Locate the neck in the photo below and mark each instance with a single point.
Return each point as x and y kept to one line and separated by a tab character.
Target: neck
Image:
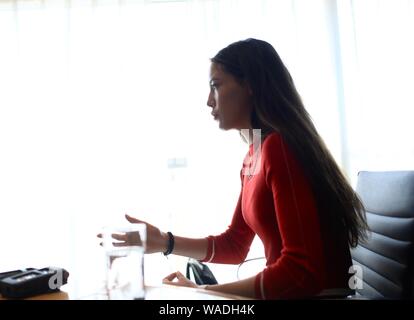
247	134
253	137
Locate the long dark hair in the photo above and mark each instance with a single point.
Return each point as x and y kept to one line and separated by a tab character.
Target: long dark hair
279	108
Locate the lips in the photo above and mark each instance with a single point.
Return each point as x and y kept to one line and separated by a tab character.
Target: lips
215	116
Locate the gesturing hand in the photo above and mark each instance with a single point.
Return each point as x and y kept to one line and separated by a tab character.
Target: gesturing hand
181	280
156	240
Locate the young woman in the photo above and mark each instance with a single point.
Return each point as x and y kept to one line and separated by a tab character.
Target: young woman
293	195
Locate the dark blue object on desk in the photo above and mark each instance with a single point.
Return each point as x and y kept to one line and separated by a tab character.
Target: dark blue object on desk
29	282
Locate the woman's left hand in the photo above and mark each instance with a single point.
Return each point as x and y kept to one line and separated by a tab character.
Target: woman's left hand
181	280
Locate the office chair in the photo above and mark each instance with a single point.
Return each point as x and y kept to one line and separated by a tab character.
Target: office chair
386	258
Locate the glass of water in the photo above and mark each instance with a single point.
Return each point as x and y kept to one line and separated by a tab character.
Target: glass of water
124	250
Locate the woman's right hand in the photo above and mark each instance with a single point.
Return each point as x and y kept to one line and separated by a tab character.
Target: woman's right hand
156	240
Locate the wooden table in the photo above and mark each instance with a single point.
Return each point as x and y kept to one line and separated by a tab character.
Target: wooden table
162	292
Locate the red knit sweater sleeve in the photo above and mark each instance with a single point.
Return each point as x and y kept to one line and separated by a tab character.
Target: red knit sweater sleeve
231	246
298	272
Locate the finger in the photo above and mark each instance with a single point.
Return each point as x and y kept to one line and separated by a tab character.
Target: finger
132	219
183	281
171	283
171	276
120	237
119	244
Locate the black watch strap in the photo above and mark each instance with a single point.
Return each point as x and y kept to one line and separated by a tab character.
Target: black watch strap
170	246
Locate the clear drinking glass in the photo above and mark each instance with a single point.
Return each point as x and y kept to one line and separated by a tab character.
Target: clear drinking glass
124	249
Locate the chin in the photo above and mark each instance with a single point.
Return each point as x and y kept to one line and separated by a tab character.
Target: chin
223	127
226	127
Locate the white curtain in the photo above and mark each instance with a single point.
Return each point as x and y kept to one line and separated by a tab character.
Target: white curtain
97	96
378	81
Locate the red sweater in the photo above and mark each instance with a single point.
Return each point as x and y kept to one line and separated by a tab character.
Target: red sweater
277	204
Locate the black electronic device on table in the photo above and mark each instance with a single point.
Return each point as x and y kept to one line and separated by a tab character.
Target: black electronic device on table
30	281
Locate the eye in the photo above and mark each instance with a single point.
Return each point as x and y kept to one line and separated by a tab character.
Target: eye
213	85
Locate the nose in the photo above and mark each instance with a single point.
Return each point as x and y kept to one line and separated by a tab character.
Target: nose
210	100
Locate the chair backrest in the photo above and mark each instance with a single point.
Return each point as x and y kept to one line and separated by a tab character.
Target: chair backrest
386	259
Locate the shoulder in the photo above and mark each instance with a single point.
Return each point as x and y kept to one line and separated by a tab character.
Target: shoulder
275	151
272	139
272	145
